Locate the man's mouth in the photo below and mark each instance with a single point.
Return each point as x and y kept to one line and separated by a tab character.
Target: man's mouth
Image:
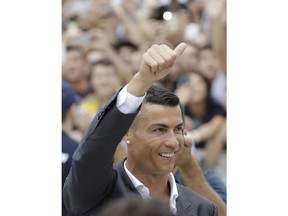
167	155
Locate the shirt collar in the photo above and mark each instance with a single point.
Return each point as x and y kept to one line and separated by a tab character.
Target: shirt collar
145	193
173	193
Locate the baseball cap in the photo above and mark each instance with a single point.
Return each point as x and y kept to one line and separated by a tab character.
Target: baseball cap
69	96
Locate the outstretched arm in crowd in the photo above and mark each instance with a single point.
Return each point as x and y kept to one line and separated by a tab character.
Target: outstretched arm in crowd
138	28
194	178
216	10
100	41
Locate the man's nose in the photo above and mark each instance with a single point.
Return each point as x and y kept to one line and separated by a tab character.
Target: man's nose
172	140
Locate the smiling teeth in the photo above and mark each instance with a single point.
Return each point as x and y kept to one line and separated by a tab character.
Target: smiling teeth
167	155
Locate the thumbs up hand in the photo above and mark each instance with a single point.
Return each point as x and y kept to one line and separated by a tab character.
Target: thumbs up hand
155	65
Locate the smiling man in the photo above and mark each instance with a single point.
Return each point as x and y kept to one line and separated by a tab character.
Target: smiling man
149	119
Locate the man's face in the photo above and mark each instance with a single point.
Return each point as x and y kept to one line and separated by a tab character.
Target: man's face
208	64
155	138
73	67
189	57
104	80
198	89
131	57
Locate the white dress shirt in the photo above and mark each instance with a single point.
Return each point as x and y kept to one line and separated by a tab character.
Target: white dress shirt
133	102
145	193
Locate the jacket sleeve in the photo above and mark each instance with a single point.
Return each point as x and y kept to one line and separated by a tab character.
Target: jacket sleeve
92	176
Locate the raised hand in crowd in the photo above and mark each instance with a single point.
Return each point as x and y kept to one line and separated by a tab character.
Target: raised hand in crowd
194	177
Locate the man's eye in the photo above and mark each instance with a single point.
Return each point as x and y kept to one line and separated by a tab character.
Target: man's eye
160	130
179	130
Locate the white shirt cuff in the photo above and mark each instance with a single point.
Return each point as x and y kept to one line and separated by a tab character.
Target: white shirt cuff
128	103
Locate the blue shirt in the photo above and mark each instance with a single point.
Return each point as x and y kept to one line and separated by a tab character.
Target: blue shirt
214	181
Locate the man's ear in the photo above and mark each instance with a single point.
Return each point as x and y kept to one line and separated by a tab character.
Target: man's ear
127	136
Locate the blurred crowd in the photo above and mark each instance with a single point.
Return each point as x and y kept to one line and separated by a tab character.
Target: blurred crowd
103	42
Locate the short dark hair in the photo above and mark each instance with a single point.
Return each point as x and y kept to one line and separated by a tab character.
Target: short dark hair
207	47
74	47
125	42
159	95
106	62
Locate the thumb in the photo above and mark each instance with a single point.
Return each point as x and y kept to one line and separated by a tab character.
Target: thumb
180	49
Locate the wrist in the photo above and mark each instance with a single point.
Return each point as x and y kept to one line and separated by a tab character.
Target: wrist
185	164
138	86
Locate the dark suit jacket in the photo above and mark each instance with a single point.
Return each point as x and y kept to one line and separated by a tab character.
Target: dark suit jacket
93	181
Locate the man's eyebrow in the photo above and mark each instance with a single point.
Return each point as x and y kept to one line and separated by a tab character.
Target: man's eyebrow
159	125
166	126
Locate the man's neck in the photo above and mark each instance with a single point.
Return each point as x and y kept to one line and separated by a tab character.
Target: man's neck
81	85
158	184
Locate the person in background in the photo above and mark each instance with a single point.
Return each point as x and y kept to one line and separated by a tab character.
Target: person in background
208	65
69	145
171	80
101	45
133	24
74	70
105	82
129	52
209	119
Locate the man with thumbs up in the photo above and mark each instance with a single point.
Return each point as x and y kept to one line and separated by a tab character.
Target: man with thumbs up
149	119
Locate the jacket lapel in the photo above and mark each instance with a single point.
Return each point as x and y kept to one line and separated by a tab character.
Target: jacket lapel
184	206
125	182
